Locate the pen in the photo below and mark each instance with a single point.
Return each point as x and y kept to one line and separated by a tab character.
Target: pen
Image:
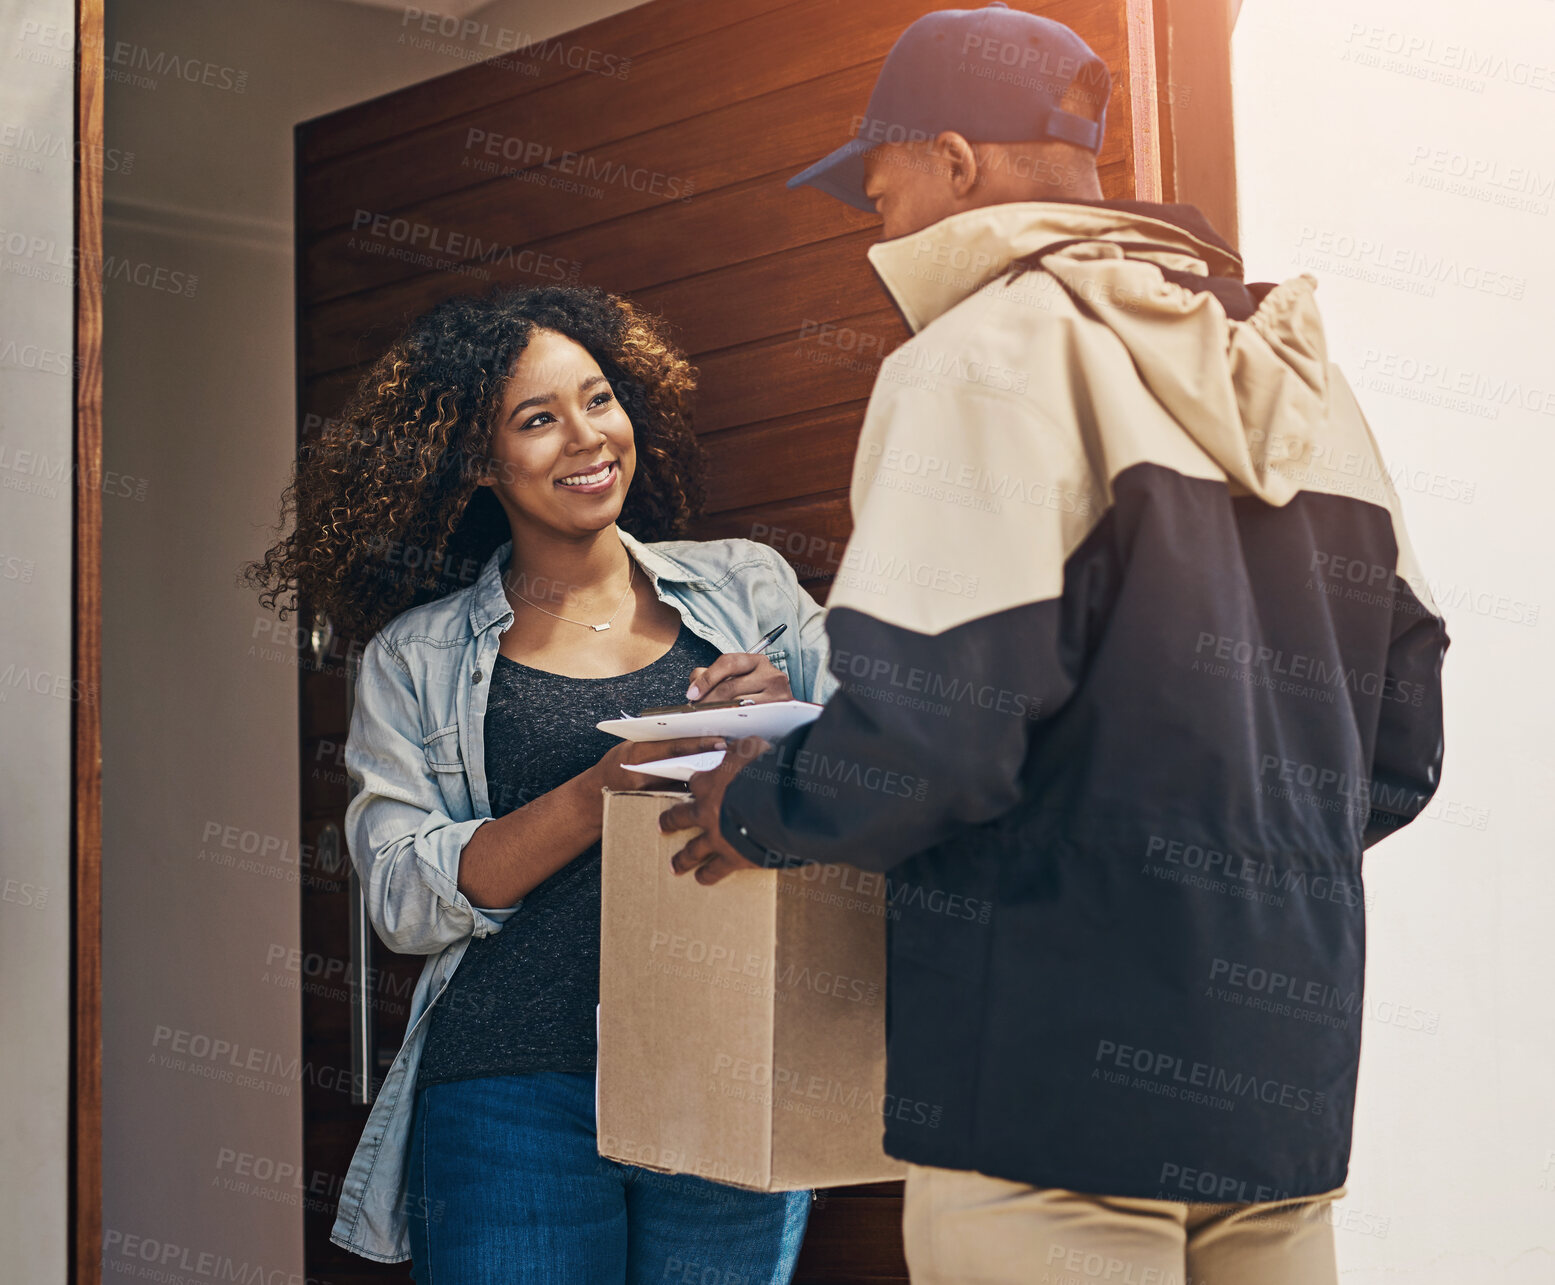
771	636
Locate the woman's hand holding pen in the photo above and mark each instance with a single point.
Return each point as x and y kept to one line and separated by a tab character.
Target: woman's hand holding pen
739	673
742	673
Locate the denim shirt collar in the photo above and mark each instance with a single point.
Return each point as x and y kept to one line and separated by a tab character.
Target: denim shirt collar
489	604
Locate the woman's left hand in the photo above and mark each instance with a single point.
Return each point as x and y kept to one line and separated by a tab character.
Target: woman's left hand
739	673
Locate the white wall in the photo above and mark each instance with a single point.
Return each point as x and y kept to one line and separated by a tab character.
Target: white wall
1357	125
200	727
37	327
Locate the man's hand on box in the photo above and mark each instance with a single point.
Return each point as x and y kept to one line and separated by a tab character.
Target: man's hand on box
709	854
739	673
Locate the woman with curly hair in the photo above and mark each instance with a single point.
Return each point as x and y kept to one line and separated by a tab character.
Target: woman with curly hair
495	508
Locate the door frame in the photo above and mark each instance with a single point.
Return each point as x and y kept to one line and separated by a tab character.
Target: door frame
84	1218
1194	107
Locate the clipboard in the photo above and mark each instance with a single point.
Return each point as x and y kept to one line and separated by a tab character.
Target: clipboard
767	719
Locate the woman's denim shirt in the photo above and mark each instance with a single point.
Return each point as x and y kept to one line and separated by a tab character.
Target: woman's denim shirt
416	756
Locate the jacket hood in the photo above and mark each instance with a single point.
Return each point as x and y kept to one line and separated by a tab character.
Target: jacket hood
1250	393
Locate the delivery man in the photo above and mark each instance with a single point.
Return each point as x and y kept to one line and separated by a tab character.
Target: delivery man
1136	661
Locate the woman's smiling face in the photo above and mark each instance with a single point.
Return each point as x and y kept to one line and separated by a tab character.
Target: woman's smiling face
562	452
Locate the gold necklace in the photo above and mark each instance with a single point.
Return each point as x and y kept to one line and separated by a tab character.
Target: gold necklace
630	572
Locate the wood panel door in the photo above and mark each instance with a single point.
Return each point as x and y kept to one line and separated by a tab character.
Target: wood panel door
645	153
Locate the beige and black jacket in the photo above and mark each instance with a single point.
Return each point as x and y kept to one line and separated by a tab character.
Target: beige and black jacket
1135	662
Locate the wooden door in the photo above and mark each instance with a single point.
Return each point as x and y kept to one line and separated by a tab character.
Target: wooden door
645	153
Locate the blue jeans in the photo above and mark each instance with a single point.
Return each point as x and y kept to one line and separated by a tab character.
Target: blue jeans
507	1185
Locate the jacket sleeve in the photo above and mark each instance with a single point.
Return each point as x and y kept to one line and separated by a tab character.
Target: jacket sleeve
1407	762
951	630
404	846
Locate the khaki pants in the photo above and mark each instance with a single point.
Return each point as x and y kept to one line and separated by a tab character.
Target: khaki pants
964	1228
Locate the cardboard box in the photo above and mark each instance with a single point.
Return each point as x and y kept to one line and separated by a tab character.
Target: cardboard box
741	1026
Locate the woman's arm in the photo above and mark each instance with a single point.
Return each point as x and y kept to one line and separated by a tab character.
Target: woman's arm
432	881
404	845
506	858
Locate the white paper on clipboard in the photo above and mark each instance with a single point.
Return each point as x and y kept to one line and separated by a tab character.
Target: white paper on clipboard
678	769
769	720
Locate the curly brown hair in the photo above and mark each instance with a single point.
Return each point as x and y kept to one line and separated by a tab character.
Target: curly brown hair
383	508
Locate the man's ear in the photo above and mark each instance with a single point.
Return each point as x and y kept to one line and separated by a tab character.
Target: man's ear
960	159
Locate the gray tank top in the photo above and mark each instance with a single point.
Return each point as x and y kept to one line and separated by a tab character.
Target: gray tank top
523	998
